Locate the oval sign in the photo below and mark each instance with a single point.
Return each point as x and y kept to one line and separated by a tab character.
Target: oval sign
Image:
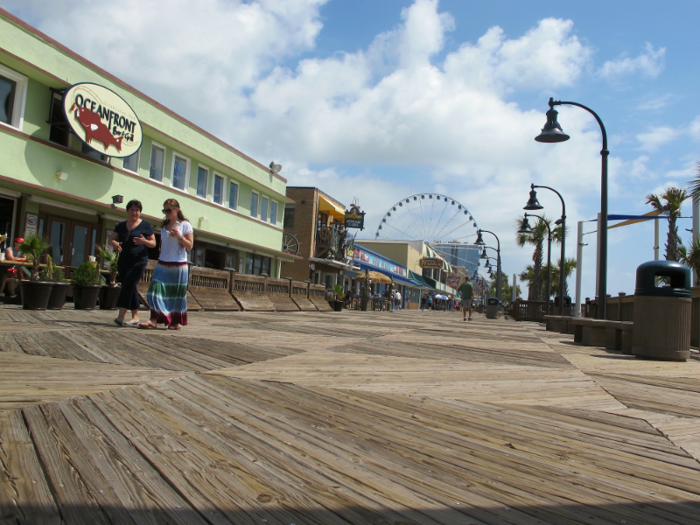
102	119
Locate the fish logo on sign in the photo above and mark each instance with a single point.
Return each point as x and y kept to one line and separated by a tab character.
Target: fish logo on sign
102	119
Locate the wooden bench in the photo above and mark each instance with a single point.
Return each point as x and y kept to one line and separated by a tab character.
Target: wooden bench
278	291
210	288
317	295
559	323
300	296
249	291
619	336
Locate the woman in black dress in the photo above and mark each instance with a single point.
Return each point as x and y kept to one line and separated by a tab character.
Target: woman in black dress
131	239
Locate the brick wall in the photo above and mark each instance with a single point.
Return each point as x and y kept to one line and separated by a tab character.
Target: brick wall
305	209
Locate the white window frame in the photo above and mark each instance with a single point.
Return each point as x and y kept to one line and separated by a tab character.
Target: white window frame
206	186
238	194
277	208
188	163
223	189
267	212
138	162
162	170
20	96
257	194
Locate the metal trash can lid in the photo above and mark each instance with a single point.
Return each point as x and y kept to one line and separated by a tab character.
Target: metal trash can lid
676	279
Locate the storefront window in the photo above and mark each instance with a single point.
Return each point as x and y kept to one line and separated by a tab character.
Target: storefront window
7	99
59	132
218	189
57	236
233	196
273	213
179	172
157	158
202	177
131	162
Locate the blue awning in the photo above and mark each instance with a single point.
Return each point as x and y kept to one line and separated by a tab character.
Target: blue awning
396	278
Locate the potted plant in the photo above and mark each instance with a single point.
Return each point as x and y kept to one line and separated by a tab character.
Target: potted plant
110	292
60	285
338	294
37	290
86	286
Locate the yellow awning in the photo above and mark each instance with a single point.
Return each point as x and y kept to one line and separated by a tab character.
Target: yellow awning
331	208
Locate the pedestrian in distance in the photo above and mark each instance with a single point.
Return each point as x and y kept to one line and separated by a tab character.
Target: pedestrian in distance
466	290
131	239
167	294
423	302
12	254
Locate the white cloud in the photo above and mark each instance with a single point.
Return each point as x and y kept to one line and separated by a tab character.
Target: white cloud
653	139
694	128
649	63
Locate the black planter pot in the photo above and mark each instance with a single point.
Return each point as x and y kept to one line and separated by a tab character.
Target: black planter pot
108	297
85	297
58	296
35	294
337	306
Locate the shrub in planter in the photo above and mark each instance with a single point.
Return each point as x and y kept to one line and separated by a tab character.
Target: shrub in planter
337	302
109	293
86	286
37	291
60	285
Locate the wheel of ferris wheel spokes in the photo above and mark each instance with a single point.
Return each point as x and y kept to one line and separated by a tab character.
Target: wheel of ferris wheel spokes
429	217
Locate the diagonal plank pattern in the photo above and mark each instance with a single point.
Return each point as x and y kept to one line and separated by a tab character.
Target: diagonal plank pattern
376	417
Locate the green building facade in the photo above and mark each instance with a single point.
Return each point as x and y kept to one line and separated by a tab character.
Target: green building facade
53	183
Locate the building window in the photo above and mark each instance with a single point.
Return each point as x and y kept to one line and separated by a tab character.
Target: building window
86	149
218	196
288	217
180	172
59	132
257	264
233	195
13	91
157	162
264	205
273	213
254	204
131	162
202	180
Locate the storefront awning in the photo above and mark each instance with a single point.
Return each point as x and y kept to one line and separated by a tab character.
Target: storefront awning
432	254
327	206
396	278
419	280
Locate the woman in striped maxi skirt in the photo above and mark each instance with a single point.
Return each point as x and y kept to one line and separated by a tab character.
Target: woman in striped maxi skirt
167	293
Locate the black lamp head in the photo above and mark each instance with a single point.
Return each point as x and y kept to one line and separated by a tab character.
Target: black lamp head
483	254
525	226
479	240
533	203
552	132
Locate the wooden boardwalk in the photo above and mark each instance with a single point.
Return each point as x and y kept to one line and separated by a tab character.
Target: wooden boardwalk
338	418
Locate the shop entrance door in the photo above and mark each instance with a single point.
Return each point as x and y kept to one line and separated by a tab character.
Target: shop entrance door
71	241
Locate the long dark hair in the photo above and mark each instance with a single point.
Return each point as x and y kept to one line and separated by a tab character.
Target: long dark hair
173	204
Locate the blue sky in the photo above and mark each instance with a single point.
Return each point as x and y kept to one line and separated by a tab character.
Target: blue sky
379	100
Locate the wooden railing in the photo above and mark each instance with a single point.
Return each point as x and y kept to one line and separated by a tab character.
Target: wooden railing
529	310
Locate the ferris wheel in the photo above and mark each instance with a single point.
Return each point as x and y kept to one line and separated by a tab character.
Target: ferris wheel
429	217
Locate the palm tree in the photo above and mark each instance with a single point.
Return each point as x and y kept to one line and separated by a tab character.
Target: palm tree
569	268
691	257
536	239
670	202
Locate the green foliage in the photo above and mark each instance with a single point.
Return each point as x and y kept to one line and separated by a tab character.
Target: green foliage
338	291
86	274
111	258
670	202
33	247
691	256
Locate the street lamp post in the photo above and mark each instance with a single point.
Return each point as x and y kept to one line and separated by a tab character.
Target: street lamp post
480	242
533	204
551	133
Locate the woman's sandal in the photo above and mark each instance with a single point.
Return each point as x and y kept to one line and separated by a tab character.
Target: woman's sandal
147	326
174	327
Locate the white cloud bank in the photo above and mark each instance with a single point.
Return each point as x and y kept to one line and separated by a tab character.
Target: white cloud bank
649	63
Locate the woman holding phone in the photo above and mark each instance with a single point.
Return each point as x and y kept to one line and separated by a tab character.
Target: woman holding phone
131	238
167	294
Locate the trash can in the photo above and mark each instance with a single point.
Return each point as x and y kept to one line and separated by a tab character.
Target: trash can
492	308
662	311
567	305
